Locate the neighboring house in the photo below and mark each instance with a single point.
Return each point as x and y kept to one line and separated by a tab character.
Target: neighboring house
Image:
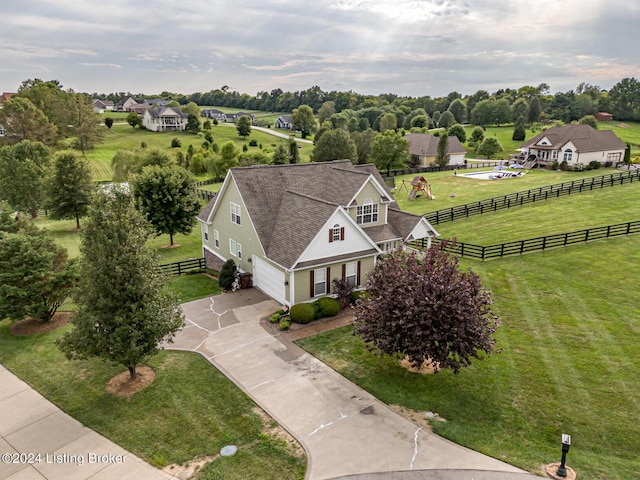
100	106
575	144
214	114
157	102
297	227
140	108
126	104
424	148
284	121
233	117
6	96
604	117
164	119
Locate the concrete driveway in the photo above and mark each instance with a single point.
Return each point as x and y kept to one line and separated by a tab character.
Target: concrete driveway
344	430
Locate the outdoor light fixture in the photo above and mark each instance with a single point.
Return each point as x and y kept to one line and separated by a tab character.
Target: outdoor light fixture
566	443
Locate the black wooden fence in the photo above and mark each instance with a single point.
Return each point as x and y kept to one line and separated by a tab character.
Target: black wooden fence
533	195
186	266
520	247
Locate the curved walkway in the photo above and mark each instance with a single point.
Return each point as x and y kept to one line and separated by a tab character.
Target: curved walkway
55	446
344	429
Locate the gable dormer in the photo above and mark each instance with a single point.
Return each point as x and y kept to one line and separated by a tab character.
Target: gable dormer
544	142
368	207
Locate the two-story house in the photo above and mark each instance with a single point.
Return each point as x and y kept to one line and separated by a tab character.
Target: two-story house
164	119
297	227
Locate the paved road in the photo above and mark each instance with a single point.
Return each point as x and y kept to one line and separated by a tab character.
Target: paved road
344	430
30	424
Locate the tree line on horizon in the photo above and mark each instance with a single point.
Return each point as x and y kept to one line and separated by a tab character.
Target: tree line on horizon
622	100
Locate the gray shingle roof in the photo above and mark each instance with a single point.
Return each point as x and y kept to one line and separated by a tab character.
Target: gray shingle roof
584	137
423	144
288	204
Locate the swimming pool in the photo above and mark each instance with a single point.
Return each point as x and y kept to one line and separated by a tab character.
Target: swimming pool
491	175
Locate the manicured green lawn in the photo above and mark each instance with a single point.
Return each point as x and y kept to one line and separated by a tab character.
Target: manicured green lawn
194	286
124	137
189	246
451	190
596	208
569	337
190	409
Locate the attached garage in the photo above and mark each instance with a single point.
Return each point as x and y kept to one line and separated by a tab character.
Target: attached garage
268	279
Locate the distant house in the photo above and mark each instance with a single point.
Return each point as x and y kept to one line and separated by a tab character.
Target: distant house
424	148
214	114
604	117
297	227
164	119
575	144
100	106
284	121
157	102
6	96
233	117
126	104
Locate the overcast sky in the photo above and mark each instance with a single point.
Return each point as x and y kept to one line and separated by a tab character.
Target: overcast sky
407	47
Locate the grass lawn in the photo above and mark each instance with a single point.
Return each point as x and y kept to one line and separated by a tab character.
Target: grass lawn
194	286
124	137
468	190
596	208
569	334
191	409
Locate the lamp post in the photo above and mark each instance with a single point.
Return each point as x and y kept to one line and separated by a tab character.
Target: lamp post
566	443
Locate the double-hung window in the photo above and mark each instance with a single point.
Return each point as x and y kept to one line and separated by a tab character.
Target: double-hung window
235	213
216	238
320	281
351	273
568	155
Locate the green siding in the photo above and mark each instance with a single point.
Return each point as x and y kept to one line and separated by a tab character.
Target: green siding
244	233
370	191
302	278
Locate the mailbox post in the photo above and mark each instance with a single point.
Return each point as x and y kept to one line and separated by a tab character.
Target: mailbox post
566	443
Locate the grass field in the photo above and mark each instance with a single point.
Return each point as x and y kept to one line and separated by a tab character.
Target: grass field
124	137
451	190
569	334
190	410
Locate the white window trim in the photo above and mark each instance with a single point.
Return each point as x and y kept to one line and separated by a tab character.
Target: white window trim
335	233
354	275
371	213
236	213
319	273
568	155
233	247
216	239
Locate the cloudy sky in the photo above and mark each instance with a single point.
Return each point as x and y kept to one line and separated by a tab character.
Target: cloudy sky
408	47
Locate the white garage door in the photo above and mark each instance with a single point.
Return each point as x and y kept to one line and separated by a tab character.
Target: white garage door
268	279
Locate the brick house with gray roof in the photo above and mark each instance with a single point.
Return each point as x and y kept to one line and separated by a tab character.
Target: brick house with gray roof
297	227
575	144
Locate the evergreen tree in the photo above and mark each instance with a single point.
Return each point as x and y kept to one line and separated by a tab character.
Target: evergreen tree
125	311
442	157
519	132
69	188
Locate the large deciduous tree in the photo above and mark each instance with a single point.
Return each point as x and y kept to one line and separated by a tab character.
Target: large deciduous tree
84	122
389	150
423	307
243	125
167	197
303	120
69	188
334	144
624	97
134	119
22	120
489	147
459	110
22	174
125	311
36	275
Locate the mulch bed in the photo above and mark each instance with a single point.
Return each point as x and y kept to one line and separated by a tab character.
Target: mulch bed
122	386
31	326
